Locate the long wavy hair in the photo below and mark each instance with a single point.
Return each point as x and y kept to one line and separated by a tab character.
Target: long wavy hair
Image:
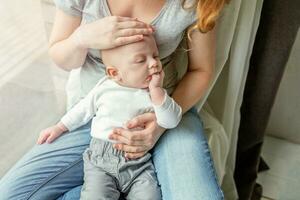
208	12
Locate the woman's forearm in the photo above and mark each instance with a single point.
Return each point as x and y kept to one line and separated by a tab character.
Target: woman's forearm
191	88
67	53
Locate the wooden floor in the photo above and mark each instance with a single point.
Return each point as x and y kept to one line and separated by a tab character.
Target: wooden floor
281	182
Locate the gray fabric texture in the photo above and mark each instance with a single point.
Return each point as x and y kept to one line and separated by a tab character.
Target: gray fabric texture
170	23
107	173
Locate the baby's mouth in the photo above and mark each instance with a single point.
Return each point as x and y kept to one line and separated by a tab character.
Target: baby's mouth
148	79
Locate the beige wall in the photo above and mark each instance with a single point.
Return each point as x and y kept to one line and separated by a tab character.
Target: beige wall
285	116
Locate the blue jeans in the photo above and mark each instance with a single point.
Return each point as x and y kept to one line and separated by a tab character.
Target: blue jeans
55	171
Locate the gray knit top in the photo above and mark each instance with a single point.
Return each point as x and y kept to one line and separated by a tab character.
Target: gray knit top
170	24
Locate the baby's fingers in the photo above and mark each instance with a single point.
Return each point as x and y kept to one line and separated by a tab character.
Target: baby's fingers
162	74
43	137
51	138
156	77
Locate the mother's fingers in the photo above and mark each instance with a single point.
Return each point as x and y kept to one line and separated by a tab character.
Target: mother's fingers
135	155
119	138
127	40
130	148
141	120
123	19
129	30
133	135
133	24
129	137
133	31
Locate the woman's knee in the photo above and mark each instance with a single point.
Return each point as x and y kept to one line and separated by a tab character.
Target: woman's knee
183	162
45	165
187	136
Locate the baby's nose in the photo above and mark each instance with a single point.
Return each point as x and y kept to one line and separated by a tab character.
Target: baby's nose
153	64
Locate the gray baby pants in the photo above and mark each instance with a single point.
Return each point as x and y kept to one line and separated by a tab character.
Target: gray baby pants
107	173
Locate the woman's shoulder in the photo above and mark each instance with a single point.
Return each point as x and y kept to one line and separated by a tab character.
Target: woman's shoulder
72	7
180	12
182	7
89	10
182	4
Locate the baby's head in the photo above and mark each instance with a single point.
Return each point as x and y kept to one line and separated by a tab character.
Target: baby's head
134	64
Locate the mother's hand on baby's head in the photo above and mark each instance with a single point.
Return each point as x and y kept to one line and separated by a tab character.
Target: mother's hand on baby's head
136	143
110	32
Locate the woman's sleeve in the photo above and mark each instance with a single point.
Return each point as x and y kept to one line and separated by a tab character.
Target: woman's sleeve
71	7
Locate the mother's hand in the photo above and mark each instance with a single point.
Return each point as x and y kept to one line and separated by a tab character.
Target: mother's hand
137	142
111	31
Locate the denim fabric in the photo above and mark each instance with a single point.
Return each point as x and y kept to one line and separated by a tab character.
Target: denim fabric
55	171
183	162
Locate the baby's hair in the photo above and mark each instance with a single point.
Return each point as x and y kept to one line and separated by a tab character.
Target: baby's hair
208	12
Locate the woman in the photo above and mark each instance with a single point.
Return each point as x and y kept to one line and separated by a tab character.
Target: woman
181	156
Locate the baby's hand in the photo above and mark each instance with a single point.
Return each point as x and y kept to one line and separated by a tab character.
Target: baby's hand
48	135
157	80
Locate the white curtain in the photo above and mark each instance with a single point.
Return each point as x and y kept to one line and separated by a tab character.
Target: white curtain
41	83
221	105
31	87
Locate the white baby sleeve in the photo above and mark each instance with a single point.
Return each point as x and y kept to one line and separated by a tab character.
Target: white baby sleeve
169	113
81	113
84	110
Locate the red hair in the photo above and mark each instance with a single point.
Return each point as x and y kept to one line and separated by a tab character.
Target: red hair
208	12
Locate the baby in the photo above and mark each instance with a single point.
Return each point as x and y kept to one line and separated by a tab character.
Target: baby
132	86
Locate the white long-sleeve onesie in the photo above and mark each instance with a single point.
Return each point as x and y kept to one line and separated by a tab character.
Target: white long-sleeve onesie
112	105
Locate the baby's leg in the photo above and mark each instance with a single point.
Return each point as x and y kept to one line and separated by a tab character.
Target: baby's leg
98	183
145	187
138	179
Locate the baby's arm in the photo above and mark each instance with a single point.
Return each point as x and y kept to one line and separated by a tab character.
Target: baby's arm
79	115
168	112
51	133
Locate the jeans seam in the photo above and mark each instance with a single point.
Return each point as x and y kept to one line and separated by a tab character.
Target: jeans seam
214	175
52	177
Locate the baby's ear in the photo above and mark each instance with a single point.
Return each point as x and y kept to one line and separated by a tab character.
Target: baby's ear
112	73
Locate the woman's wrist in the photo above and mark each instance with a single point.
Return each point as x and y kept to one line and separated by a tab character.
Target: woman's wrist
78	39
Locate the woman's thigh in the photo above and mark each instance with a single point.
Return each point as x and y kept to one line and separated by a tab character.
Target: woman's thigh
49	170
183	162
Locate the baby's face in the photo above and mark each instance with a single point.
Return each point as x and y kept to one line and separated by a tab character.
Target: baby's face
136	62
